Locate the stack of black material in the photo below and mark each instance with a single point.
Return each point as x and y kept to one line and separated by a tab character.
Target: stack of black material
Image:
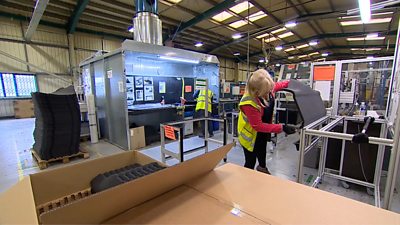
57	125
119	176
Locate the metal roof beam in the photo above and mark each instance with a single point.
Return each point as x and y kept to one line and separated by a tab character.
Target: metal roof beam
40	7
73	21
205	15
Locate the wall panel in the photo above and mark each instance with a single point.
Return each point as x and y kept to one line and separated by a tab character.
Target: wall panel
82	55
49	84
6	108
50	36
55	60
85	41
111	45
14	49
10	29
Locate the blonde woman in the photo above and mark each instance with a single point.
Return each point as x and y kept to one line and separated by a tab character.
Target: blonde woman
255	118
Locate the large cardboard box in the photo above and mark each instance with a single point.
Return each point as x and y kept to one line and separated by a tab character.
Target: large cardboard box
187	193
23	109
137	137
22	203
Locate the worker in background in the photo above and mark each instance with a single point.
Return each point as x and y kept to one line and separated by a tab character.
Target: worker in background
200	95
255	118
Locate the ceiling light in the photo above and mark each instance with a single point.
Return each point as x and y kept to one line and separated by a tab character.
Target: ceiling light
267	40
278	30
222	16
314	53
179	59
285	35
291	57
370	57
373	35
236	36
302	46
374	14
365	39
325	54
372	21
313	43
175	1
131	29
256	16
236	53
277	65
261	60
302	56
241	7
262	35
290	24
365	10
365	49
198	44
278	48
238	24
370	63
290	49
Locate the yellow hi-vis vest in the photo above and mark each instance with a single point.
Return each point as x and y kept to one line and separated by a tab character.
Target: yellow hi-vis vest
201	100
247	135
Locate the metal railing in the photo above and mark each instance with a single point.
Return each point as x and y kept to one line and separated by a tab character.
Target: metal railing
168	154
315	130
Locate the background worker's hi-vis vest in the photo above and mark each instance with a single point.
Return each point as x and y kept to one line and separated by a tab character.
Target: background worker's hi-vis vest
247	135
201	100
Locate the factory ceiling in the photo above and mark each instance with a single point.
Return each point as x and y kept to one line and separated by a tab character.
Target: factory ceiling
285	30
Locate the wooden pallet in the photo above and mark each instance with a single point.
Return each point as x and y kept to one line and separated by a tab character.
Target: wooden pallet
62	201
43	164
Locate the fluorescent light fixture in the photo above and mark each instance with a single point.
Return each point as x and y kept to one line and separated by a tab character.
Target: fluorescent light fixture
302	56
131	29
222	16
302	46
236	36
278	30
174	1
285	35
365	10
241	7
256	16
267	40
314	53
290	49
291	57
325	54
313	43
198	44
277	65
193	61
278	48
262	35
238	24
370	57
372	21
261	60
365	39
290	24
365	49
236	53
358	16
373	35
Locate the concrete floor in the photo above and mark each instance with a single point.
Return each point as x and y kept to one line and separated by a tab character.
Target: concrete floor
16	161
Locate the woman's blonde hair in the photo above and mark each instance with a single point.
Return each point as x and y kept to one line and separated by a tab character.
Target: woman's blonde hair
259	84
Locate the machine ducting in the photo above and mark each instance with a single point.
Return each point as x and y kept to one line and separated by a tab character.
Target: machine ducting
147	25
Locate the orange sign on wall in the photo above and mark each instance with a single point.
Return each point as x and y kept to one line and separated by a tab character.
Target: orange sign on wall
324	72
169	132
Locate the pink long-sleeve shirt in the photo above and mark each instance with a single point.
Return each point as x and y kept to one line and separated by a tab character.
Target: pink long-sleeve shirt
255	116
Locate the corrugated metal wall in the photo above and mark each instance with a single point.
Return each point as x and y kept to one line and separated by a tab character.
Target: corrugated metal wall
49	51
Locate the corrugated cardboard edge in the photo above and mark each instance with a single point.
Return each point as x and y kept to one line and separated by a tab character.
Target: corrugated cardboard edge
56	183
104	205
17	205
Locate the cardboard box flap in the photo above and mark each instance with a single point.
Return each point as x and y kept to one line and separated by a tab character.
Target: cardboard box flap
17	205
281	201
104	205
184	205
60	182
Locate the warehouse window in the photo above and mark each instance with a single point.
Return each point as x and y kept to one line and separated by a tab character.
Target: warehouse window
17	85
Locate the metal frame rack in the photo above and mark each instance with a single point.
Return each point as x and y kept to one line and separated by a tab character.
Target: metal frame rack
313	133
168	154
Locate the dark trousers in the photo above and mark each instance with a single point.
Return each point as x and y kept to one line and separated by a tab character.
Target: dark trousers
259	152
200	114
